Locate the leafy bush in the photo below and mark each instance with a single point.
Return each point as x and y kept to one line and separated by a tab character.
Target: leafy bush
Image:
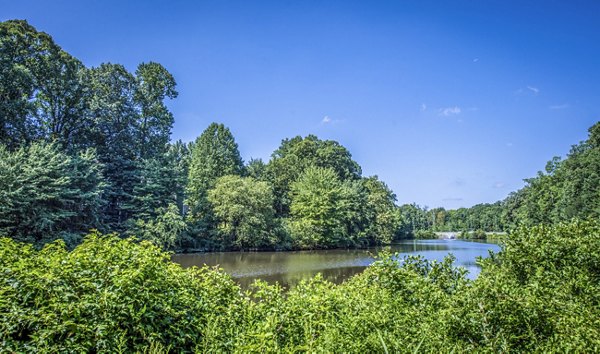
109	295
425	234
540	293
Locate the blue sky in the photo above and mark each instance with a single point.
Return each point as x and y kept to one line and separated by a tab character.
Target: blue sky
451	103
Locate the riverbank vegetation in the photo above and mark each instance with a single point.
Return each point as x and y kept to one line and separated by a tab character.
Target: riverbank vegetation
568	188
89	148
540	293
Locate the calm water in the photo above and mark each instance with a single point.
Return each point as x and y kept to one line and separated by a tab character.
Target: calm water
288	268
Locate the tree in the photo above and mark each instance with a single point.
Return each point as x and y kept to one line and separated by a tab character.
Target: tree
325	211
153	84
567	189
164	230
256	169
383	217
243	209
46	194
295	155
130	128
114	118
215	154
162	181
42	88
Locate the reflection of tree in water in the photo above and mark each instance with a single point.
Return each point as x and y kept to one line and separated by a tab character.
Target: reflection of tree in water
288	268
289	280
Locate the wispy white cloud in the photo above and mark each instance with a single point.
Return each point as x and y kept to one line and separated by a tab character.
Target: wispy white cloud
326	120
527	90
498	185
509	144
450	111
559	106
423	107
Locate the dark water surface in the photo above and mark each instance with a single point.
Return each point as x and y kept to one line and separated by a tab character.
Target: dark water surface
288	268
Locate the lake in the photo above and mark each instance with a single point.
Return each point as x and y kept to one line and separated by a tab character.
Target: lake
288	268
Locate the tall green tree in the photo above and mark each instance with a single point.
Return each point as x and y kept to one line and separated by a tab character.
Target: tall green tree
153	85
130	128
295	155
383	218
42	88
243	209
325	211
215	154
162	182
113	134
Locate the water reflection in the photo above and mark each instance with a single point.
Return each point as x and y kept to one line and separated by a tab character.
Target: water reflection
288	268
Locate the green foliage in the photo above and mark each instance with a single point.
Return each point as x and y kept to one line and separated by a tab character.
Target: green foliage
325	211
130	128
413	218
243	210
162	182
110	295
164	230
425	234
478	235
384	220
256	169
42	88
215	154
568	189
295	155
541	293
46	194
154	84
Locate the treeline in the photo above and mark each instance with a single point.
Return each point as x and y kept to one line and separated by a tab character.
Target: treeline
540	294
89	148
567	189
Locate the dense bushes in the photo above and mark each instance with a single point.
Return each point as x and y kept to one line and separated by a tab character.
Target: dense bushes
108	295
541	293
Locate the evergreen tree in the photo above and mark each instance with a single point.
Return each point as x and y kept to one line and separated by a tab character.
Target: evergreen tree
214	154
46	194
162	182
113	134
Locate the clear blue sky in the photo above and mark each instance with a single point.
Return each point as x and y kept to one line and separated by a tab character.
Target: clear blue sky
452	103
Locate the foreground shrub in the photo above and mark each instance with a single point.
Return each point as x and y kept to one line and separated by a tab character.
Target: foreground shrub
109	295
540	294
